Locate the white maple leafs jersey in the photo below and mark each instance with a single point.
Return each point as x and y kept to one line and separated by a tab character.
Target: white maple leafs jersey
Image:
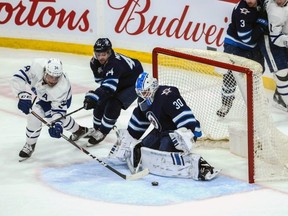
32	76
278	23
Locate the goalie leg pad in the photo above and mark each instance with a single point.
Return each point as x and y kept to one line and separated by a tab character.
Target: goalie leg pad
175	164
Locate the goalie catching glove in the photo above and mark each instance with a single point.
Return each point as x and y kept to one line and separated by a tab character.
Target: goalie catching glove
182	139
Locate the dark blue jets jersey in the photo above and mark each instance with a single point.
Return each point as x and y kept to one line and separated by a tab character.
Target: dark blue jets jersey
120	72
168	112
244	31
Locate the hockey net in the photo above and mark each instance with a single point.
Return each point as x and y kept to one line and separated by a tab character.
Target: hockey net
198	74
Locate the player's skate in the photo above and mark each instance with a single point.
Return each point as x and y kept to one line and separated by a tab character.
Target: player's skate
81	132
26	151
95	138
279	102
224	110
226	105
206	171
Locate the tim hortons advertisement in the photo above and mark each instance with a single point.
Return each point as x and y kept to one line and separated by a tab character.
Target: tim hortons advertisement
48	18
170	23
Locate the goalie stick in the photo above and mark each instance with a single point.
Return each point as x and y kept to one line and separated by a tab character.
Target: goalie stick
126	177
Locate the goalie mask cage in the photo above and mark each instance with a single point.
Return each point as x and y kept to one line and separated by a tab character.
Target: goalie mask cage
198	74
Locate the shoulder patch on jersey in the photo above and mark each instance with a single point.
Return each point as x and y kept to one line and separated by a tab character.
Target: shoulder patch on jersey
166	91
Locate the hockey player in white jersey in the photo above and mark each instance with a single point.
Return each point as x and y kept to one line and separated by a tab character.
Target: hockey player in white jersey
275	47
167	149
45	79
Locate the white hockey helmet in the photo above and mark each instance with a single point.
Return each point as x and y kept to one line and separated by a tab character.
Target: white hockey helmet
146	86
54	67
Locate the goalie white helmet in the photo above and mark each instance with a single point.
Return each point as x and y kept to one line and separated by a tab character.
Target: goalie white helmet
146	86
54	67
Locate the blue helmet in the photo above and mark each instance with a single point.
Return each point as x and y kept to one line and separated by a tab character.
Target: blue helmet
146	86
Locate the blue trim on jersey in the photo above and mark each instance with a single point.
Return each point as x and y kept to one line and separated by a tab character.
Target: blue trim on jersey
236	43
111	84
184	118
92	95
137	125
25	78
245	36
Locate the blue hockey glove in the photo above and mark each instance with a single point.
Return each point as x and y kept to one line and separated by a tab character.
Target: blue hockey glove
56	130
24	103
263	23
91	100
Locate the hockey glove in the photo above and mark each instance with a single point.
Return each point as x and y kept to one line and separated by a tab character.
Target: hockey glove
24	103
56	130
263	23
91	100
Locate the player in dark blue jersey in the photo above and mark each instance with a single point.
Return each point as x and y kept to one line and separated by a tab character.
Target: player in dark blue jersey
166	149
116	75
248	25
168	113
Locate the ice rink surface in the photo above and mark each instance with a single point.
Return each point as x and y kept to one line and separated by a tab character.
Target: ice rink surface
60	180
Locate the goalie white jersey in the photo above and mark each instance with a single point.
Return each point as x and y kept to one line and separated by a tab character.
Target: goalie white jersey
32	75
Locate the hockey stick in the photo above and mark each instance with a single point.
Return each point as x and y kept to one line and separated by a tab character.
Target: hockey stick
68	114
129	177
57	118
64	116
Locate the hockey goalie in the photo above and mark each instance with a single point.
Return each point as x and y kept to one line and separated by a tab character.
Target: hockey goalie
166	150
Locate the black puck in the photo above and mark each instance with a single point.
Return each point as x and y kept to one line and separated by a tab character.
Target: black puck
154	183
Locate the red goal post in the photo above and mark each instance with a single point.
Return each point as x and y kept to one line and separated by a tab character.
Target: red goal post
199	74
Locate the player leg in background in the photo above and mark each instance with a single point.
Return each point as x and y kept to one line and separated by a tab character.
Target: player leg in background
277	61
280	96
106	117
229	81
228	90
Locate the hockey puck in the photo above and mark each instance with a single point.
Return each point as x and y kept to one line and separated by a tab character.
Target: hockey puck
154	183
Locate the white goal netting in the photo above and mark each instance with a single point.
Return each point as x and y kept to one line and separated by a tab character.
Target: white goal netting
199	76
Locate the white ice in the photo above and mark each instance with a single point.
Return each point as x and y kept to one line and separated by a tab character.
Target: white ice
59	179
